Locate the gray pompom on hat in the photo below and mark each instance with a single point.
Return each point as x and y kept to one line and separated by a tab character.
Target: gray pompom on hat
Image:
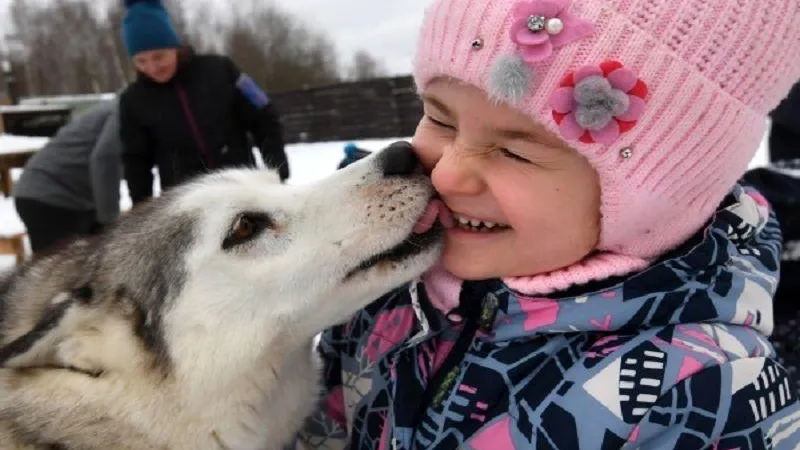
598	103
510	79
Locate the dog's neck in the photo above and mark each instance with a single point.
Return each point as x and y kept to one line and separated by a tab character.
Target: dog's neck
279	387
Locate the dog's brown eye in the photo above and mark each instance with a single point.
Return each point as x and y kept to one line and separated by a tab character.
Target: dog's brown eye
243	228
246	227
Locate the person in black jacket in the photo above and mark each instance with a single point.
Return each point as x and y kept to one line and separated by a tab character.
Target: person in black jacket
186	113
784	137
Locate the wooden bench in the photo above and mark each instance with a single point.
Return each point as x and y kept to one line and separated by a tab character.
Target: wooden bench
12	230
9	161
13	244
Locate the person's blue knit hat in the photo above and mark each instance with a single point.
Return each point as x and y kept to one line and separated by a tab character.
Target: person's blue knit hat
350	149
147	26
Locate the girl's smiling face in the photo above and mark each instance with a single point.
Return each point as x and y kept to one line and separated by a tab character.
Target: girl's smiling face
525	203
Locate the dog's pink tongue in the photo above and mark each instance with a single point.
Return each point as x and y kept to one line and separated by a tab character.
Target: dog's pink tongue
436	209
446	216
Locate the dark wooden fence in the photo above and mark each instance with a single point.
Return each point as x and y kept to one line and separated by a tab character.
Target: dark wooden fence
379	108
41	121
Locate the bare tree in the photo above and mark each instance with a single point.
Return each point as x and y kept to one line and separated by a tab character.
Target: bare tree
21	16
278	50
65	48
177	15
365	67
123	67
75	46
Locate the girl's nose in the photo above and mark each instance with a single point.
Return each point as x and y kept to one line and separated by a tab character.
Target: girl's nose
457	174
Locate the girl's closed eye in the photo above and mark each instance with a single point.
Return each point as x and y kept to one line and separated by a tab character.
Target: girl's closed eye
514	156
439	123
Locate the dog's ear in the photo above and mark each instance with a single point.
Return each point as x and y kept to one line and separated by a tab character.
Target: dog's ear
36	348
80	332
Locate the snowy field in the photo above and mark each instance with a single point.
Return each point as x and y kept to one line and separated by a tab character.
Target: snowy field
308	163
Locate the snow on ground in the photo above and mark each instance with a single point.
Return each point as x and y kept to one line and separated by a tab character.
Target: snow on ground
312	162
62	100
30	108
16	144
308	163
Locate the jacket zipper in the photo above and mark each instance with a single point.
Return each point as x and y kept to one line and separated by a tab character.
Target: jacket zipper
475	317
198	138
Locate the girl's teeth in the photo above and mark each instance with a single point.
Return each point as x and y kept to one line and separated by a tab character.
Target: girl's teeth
477	225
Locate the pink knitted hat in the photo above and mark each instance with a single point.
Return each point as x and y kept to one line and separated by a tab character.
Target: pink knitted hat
667	99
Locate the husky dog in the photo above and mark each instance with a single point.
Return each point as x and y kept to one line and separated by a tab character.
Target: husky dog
189	324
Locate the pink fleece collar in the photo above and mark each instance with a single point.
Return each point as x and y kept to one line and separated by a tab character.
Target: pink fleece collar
443	288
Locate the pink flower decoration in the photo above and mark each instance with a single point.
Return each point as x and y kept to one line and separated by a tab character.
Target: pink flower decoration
596	104
560	28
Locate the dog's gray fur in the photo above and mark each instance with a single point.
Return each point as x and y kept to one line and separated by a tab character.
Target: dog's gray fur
155	335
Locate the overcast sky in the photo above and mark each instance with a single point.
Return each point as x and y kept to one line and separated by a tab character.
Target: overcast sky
385	28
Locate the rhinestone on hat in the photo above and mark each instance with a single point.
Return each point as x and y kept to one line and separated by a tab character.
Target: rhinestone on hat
536	23
554	26
626	153
477	44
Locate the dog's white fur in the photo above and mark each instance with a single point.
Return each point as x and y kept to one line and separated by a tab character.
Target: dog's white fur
226	360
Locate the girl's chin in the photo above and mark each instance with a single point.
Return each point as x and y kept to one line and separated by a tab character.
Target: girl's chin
476	255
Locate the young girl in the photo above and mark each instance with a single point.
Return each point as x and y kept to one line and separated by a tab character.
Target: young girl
608	283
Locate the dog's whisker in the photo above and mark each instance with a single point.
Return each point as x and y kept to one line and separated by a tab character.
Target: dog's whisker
274	372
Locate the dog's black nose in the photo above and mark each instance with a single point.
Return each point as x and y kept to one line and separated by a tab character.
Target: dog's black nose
398	159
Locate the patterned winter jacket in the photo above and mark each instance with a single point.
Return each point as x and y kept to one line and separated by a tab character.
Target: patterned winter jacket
674	357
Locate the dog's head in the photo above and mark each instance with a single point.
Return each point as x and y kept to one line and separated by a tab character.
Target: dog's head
219	270
289	261
272	248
